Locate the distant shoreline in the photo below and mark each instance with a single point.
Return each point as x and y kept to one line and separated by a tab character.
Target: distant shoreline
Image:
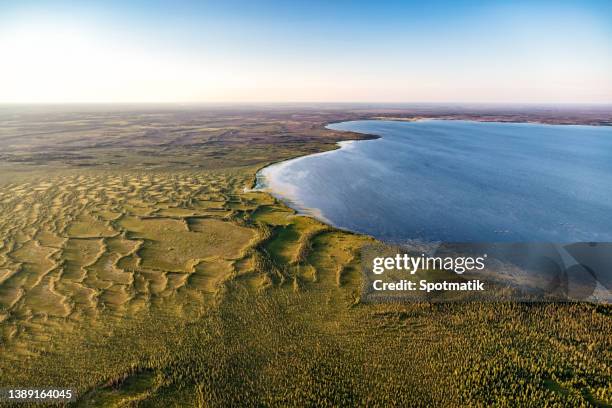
478	118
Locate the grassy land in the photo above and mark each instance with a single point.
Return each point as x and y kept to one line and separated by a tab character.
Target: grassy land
137	267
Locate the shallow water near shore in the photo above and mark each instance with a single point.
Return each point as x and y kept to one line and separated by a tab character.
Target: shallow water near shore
458	181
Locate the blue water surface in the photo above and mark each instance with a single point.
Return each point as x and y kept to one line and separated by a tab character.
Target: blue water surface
459	181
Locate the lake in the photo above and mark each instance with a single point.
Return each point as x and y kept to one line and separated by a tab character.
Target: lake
458	181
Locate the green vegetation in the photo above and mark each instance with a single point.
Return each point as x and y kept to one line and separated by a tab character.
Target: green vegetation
137	266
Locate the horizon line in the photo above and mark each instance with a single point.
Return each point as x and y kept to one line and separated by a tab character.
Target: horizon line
195	103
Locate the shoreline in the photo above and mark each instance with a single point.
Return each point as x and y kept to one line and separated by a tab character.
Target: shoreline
478	120
297	208
336	146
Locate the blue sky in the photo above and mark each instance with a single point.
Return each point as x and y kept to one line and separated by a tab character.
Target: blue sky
350	51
